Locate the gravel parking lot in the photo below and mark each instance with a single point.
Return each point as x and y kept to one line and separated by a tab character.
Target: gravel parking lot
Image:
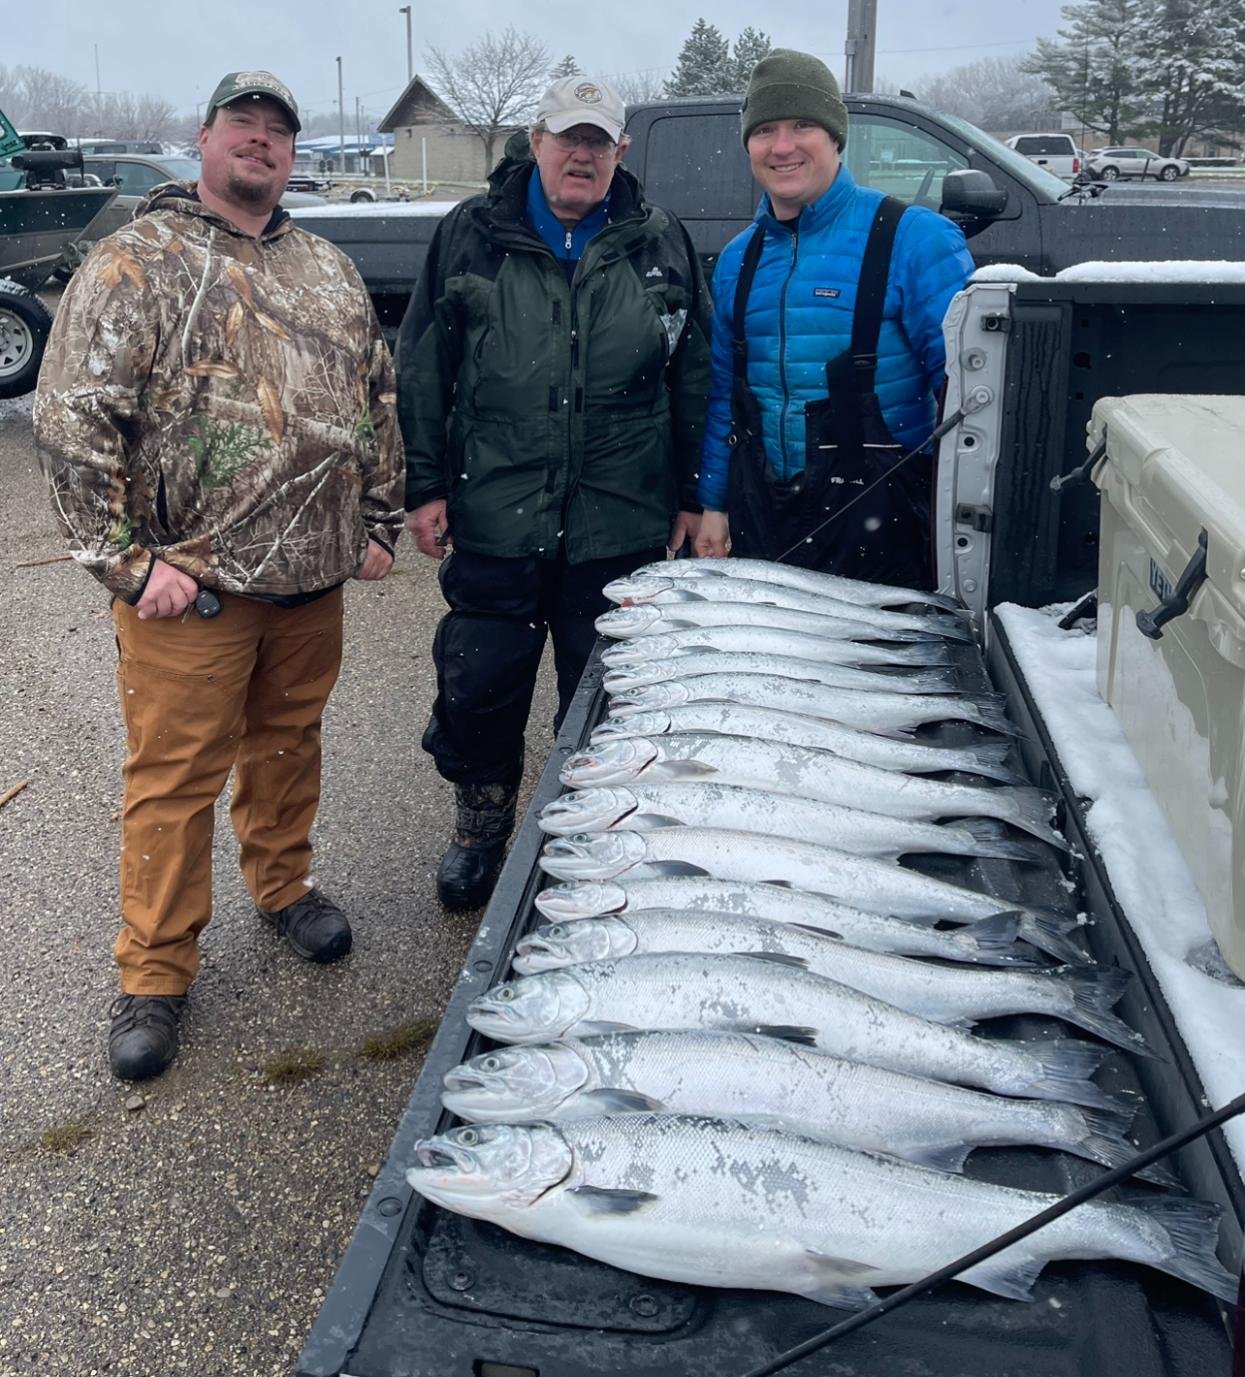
194	1225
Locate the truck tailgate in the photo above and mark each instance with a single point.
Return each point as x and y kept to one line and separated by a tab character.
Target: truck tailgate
424	1293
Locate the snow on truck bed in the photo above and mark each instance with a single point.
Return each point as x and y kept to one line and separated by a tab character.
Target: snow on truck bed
1149	875
1188	270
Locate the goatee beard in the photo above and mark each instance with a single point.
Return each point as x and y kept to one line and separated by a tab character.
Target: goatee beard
249	193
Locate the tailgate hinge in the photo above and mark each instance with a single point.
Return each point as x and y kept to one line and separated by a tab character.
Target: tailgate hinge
979	518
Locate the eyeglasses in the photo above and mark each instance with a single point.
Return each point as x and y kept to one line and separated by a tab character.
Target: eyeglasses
599	145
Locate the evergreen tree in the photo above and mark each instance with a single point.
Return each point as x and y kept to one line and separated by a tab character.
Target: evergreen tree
1193	64
750	47
567	67
1096	71
704	65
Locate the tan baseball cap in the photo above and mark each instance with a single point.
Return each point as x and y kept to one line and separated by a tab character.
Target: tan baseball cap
577	100
235	85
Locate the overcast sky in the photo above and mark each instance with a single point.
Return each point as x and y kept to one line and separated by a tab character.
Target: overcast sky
179	50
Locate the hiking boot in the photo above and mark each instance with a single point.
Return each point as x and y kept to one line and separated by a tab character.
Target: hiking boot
142	1038
472	862
314	926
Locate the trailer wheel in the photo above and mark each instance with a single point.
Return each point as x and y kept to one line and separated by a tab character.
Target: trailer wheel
363	194
24	325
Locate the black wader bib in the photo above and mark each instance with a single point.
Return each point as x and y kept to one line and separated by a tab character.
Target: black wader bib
836	516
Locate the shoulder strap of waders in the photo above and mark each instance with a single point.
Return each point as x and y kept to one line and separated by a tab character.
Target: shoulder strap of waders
746	413
875	271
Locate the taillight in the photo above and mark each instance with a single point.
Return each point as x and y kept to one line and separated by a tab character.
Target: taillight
1076	166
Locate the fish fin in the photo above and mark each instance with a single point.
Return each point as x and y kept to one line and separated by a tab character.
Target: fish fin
925	648
777	957
652	819
942	600
674	870
1066	1065
611	1100
989	759
832	1281
785	1032
1093	994
595	1200
1030	810
928	681
1048	930
995	939
950	1158
686	769
1192	1227
990	838
593	1026
808	927
1010	1279
990	710
1104	1142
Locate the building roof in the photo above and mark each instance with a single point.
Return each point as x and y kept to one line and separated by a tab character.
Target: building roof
418	99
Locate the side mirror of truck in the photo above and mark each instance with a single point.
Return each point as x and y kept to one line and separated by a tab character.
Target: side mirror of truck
971	193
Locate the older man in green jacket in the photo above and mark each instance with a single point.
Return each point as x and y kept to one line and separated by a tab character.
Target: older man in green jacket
553	377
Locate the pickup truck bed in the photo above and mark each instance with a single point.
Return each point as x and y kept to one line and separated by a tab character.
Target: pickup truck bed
424	1293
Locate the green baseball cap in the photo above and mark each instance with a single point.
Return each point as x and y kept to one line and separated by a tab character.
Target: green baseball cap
236	85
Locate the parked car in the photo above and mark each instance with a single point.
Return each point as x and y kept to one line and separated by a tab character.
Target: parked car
114	146
135	175
1110	164
1055	152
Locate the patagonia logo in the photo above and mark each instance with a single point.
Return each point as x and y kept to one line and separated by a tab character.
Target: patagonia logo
830	292
653	272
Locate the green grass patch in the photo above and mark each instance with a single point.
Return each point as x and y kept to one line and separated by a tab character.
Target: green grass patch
397	1042
293	1065
64	1137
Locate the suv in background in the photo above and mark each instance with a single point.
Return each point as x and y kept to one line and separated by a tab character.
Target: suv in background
1109	164
1055	152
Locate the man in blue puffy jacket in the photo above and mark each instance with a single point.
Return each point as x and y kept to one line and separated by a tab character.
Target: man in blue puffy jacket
827	350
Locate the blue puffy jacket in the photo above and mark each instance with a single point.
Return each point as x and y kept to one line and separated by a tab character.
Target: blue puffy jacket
800	316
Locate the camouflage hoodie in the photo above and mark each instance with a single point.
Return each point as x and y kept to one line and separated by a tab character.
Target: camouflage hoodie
220	402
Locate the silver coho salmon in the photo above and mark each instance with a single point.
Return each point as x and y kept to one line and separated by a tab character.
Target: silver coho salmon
847	705
804	773
944	994
860	881
986	758
772	1084
717	1203
642	807
620	678
775	996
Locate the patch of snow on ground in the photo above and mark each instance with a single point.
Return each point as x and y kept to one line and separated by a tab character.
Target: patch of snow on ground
1149	875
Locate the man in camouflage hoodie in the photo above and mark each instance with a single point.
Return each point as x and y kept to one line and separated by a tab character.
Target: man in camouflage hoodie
216	419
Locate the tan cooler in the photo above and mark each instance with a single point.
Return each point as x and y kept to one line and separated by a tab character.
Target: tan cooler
1173	531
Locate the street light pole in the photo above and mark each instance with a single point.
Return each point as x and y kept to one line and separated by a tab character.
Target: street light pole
410	66
862	23
341	121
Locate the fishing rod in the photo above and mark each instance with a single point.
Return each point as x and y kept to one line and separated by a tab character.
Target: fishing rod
988	1250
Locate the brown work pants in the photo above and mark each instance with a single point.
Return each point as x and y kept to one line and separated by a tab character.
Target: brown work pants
243	690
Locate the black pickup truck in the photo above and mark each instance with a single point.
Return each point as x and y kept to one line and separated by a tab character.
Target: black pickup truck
688	155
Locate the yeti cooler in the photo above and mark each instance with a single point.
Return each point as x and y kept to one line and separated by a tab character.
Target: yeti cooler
1171	624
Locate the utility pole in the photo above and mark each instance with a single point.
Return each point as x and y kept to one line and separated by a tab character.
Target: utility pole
862	24
410	66
341	121
358	131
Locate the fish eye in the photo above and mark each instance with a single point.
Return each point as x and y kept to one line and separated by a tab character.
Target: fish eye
468	1137
491	1063
557	931
506	993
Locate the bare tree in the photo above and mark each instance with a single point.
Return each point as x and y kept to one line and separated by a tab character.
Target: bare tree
494	84
996	93
637	88
35	98
123	115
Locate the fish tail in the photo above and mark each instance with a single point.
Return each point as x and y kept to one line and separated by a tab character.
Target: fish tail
922	651
949	628
1064	1069
1048	930
994	940
1191	1230
989	837
939	680
990	710
1030	810
943	600
1094	994
1099	1137
988	759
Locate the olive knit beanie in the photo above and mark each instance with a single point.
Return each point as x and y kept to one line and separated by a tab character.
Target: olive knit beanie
786	85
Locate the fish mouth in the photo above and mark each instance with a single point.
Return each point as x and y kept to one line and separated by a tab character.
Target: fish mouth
463	1080
432	1158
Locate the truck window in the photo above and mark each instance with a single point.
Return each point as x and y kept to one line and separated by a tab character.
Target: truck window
1046	146
698	168
900	160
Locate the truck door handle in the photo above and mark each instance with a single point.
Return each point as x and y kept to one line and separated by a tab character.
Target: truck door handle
1176	604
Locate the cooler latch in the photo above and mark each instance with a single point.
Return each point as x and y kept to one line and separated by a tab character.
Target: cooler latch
1176	604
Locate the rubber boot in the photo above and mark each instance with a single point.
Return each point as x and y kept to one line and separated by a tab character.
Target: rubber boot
472	862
